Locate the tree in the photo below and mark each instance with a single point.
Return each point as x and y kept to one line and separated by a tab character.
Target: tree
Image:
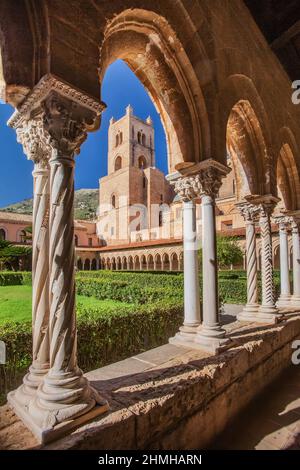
10	254
228	252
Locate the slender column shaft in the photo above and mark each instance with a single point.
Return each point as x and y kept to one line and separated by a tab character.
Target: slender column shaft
285	290
187	189
268	293
296	262
40	267
64	385
40	284
209	260
251	266
191	276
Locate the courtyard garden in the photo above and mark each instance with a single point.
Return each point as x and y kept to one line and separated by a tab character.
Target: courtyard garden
119	314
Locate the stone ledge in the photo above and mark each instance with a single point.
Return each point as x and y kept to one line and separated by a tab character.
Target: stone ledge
160	397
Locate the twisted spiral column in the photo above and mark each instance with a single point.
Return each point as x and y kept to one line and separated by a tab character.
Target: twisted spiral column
268	294
251	266
40	286
30	135
249	212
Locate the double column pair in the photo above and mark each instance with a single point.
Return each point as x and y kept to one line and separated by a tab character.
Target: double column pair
202	333
51	125
289	221
258	210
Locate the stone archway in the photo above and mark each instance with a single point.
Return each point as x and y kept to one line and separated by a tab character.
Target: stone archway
86	265
141	38
174	264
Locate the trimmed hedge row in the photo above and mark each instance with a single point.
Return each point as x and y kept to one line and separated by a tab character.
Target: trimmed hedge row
129	290
12	278
104	336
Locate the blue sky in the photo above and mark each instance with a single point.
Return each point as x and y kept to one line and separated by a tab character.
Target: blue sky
120	87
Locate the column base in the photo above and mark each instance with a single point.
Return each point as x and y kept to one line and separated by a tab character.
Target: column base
248	312
284	301
185	336
265	315
212	340
295	301
46	424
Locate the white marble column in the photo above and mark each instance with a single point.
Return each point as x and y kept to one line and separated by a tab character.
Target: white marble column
285	288
210	336
295	300
34	145
267	312
250	213
184	187
64	399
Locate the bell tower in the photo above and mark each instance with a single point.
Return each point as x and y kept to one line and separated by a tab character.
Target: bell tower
133	183
130	142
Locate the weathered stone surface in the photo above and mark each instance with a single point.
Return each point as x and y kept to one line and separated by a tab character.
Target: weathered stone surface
161	406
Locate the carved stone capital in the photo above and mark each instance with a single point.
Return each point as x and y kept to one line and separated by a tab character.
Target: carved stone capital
187	188
31	134
209	181
249	212
283	221
266	204
55	115
66	123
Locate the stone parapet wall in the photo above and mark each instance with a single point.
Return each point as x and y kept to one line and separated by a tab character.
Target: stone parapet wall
176	398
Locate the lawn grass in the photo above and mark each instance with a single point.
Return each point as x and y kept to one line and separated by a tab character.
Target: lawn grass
15	303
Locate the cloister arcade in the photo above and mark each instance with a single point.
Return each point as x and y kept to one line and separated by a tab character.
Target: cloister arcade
215	94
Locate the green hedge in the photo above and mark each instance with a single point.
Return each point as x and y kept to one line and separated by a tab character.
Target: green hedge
235	292
12	278
104	336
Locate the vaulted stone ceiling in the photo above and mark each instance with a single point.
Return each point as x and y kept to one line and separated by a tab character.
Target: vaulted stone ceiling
279	21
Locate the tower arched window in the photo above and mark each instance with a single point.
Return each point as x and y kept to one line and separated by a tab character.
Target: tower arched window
139	136
132	132
117	140
142	164
121	137
2	234
118	163
160	219
150	141
113	201
143	140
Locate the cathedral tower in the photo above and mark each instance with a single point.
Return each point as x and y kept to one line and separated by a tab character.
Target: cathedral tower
133	184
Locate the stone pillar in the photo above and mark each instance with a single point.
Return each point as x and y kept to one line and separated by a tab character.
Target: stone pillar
186	335
295	300
250	213
285	288
210	336
64	399
267	312
34	145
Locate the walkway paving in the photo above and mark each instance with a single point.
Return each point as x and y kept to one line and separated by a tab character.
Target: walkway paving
271	421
